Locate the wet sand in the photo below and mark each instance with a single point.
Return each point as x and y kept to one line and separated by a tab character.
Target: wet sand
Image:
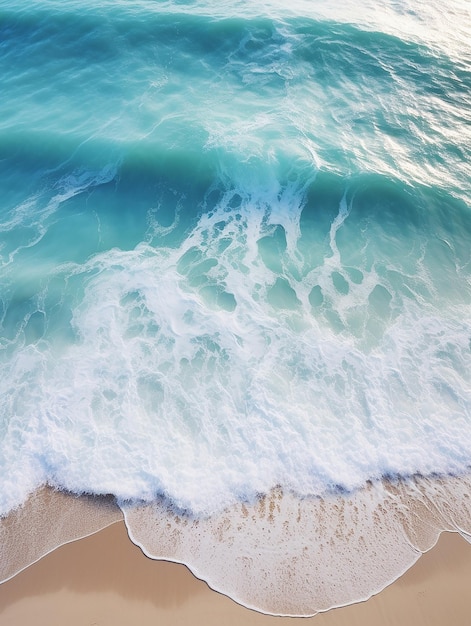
104	579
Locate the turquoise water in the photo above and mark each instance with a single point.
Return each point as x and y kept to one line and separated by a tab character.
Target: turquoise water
234	247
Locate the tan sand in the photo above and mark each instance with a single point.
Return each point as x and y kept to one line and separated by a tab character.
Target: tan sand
106	580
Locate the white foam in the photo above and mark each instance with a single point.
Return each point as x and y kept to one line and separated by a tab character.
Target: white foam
200	373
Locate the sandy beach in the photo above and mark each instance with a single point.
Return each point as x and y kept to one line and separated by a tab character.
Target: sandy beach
106	580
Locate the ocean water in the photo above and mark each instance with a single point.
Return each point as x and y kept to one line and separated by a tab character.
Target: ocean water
235	248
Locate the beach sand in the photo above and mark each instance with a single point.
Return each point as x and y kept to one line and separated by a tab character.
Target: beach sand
104	579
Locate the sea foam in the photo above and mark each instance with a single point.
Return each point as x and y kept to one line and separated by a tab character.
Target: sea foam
239	359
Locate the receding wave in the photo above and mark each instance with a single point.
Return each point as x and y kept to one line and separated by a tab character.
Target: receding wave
277	553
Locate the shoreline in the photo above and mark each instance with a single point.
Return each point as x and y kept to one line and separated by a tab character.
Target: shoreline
105	579
295	557
46	521
280	558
